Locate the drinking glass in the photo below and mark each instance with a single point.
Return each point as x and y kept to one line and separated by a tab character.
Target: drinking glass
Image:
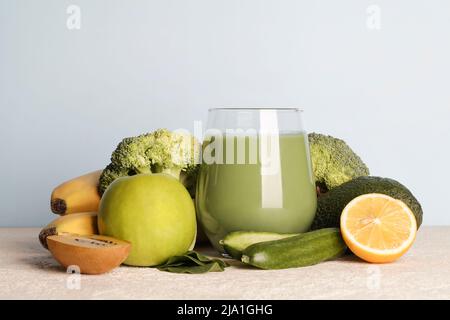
255	173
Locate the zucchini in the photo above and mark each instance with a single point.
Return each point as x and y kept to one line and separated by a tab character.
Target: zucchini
235	242
302	250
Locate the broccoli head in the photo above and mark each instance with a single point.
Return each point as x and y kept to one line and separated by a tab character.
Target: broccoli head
161	151
334	162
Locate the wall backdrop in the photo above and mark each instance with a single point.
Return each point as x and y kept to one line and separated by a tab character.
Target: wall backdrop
77	76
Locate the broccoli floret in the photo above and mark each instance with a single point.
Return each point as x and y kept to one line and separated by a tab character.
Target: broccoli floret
334	162
188	178
109	174
131	153
172	152
161	151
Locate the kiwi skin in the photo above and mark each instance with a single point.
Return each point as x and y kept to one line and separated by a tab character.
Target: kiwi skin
91	254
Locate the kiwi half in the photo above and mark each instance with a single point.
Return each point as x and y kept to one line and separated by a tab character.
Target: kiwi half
94	254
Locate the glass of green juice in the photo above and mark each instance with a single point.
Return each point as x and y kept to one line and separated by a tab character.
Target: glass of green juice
255	174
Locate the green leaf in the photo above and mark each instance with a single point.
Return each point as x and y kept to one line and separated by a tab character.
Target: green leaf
193	262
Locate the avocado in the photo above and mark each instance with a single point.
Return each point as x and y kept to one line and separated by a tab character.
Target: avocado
331	204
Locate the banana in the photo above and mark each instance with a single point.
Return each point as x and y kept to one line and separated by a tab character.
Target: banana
77	195
82	224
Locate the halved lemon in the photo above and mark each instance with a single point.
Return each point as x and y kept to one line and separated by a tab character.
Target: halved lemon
378	228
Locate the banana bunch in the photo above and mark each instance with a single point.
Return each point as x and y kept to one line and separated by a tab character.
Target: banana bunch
83	224
77	201
77	195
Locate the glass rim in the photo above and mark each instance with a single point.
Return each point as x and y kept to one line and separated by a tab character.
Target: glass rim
255	109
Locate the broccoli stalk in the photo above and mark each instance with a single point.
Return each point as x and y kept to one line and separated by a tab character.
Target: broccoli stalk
161	151
174	171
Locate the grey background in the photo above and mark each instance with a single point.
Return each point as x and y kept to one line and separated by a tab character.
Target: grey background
68	96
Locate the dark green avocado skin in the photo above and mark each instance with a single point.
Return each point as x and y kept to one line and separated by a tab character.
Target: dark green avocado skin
331	204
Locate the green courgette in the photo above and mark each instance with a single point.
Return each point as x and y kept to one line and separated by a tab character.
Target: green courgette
302	250
235	242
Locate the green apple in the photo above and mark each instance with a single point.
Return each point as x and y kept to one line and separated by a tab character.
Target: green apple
152	211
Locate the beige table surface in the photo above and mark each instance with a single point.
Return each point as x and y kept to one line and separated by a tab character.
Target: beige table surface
28	271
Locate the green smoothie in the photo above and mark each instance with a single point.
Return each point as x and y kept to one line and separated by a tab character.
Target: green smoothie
268	186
